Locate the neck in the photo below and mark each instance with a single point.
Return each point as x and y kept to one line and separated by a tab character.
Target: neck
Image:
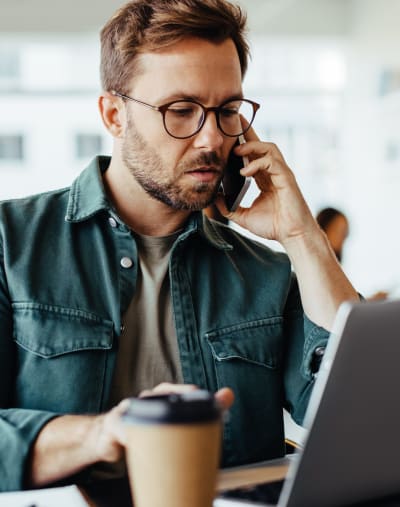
139	211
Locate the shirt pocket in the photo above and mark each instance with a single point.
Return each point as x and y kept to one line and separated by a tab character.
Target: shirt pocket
61	358
248	358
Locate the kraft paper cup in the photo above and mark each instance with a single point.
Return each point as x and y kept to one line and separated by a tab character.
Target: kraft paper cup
173	449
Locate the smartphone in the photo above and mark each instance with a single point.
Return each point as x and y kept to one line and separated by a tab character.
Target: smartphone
234	185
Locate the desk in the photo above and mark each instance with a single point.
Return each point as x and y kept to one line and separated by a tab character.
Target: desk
116	493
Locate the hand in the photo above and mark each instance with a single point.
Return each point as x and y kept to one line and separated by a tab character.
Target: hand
280	211
109	436
224	396
69	443
379	296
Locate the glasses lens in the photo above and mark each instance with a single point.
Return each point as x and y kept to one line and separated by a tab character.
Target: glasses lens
182	119
229	116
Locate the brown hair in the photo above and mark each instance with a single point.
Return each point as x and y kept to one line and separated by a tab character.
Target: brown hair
142	25
327	215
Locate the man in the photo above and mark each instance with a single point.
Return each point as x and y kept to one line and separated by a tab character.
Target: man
119	283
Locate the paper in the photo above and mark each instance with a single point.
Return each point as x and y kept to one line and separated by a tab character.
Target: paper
68	496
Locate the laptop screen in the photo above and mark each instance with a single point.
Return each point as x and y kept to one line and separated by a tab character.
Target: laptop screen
351	451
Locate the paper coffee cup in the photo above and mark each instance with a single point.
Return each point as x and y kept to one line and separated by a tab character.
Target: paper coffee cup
173	449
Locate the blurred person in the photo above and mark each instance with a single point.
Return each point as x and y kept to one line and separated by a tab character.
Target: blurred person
119	286
336	227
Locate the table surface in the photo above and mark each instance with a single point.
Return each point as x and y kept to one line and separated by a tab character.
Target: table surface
116	493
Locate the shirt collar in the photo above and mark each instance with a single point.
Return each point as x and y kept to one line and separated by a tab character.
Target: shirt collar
88	197
200	223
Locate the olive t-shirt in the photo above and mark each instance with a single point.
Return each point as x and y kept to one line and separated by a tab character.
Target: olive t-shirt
148	351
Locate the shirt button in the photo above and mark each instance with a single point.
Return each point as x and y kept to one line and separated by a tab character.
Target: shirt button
112	222
126	262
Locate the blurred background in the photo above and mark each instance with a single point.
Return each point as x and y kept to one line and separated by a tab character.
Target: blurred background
327	73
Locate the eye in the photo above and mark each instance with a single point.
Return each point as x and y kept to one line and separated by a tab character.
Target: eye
183	109
229	112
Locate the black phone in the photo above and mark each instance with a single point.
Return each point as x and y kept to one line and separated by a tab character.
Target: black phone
233	184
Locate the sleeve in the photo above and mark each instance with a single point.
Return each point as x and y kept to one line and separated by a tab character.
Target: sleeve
18	427
18	430
303	339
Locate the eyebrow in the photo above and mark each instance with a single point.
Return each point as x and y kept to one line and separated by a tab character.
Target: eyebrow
197	98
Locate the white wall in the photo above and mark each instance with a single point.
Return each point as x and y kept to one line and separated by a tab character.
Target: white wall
321	103
345	140
49	126
371	128
53	99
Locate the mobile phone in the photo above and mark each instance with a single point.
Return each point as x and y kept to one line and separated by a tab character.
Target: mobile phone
233	184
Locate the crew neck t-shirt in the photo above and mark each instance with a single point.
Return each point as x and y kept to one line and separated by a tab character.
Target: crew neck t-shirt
148	351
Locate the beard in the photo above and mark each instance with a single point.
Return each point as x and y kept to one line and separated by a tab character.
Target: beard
148	169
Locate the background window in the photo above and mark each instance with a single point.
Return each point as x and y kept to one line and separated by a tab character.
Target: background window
11	147
9	64
87	145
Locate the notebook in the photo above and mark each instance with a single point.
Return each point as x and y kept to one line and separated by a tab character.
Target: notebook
352	450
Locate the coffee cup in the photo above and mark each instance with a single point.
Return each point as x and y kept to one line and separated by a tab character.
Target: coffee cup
173	449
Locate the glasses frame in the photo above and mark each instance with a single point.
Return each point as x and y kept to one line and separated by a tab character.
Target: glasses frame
215	109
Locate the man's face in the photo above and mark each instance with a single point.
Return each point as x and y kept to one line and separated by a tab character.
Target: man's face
182	173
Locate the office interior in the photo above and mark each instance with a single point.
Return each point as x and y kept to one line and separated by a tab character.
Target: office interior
326	72
327	75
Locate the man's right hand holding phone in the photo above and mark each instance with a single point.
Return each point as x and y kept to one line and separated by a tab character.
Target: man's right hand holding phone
281	213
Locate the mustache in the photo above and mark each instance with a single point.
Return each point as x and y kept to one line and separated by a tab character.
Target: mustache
207	159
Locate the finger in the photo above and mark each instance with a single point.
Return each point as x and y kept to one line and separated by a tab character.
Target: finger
113	422
119	431
259	164
123	405
230	215
167	388
118	425
250	134
225	397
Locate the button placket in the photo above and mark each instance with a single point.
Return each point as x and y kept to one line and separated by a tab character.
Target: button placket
126	262
113	223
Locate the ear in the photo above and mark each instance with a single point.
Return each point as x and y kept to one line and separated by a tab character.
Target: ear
112	111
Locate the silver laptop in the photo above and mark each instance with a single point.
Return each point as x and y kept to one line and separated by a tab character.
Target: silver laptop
352	451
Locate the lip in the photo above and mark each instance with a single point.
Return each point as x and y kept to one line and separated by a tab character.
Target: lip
204	174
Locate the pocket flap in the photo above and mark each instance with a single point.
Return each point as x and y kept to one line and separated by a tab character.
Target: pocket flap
257	342
50	331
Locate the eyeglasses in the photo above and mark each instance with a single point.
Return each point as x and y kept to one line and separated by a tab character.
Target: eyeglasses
185	118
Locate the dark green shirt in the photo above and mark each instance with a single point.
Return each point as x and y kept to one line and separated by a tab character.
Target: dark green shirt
67	275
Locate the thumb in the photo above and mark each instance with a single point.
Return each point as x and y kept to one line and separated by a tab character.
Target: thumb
225	397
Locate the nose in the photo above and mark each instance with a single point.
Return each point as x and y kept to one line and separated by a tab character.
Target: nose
209	136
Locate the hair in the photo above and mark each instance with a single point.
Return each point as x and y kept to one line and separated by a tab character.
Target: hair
144	26
327	215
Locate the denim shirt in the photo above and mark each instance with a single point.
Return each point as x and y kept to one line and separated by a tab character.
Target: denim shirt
68	269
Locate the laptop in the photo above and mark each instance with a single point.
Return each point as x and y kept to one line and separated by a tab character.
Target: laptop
351	453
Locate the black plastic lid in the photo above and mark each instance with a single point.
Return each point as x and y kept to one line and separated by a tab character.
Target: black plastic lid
191	407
